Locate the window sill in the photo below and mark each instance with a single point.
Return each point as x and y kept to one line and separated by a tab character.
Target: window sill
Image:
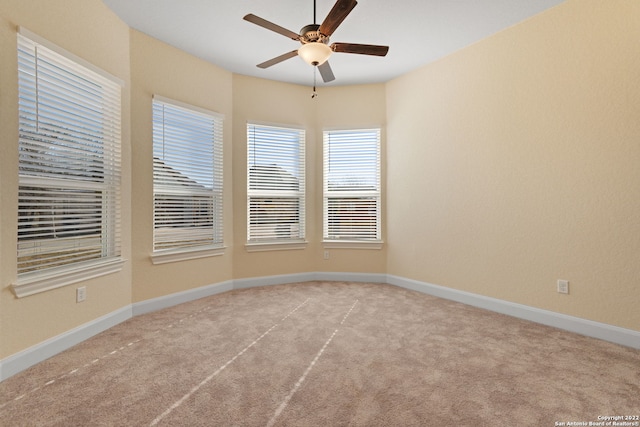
175	255
275	246
36	282
352	244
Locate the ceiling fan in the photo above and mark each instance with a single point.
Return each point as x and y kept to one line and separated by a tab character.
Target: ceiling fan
315	49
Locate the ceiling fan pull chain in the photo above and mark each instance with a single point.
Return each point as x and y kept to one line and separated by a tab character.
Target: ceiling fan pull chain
314	94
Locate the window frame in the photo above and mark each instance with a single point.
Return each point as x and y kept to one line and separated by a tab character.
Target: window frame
50	177
296	160
350	241
185	112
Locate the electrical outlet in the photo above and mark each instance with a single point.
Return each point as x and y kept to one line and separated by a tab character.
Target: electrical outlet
81	294
326	254
563	286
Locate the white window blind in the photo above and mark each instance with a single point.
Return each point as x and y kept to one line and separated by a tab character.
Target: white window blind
276	183
187	177
351	181
69	163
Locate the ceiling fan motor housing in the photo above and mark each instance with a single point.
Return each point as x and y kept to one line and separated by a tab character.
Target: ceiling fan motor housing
310	34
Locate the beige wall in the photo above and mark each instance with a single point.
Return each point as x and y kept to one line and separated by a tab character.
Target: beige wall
516	162
510	164
159	69
104	43
350	107
259	100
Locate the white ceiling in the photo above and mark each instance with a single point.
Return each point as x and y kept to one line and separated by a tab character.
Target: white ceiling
417	32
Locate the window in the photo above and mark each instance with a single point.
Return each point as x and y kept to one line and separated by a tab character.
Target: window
187	180
69	168
276	184
351	185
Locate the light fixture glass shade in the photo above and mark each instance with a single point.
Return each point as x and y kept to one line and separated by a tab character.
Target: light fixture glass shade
314	53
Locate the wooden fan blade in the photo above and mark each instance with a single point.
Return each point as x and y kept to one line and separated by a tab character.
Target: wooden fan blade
278	59
326	72
362	49
340	10
271	26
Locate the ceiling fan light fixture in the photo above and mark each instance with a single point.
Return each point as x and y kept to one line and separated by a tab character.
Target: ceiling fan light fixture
315	53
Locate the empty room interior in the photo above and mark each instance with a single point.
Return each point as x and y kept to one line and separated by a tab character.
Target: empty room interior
502	207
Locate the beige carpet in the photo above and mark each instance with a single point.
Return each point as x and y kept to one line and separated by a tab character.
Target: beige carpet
326	354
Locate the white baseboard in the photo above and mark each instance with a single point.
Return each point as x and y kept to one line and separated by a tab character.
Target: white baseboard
170	300
42	351
308	277
603	331
352	277
254	282
33	355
